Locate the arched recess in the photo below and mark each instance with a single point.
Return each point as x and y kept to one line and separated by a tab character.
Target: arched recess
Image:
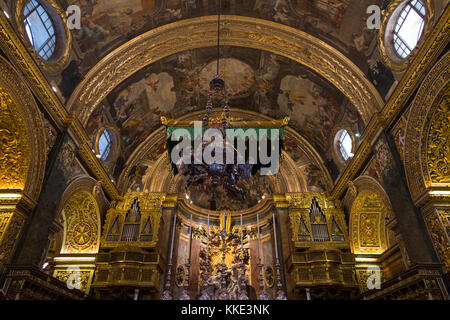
22	138
368	232
162	180
81	218
236	31
427	148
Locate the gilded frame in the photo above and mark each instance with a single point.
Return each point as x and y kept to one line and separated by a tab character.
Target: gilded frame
56	63
385	45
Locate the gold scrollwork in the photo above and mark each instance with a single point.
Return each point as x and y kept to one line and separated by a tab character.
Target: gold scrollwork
423	128
80	278
367	224
11	224
243	31
14	152
438	223
438	143
299	214
148	224
81	224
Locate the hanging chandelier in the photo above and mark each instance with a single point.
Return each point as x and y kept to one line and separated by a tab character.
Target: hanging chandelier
212	174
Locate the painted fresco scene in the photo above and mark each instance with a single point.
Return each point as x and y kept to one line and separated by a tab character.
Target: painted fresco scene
258	81
107	24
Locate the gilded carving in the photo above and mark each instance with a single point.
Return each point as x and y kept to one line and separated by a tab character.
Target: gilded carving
438	223
14	153
17	52
438	151
432	48
367	223
399	133
11	224
300	217
364	274
135	219
429	99
384	157
80	278
246	32
81	224
21	125
368	229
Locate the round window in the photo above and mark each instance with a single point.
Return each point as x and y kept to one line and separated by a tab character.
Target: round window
344	143
105	144
409	28
40	29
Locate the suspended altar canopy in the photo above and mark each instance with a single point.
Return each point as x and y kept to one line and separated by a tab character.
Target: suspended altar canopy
256	133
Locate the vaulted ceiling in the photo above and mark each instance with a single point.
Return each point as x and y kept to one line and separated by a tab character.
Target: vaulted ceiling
261	81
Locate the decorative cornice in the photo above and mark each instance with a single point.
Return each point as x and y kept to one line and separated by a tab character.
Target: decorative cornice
13	47
234	123
250	213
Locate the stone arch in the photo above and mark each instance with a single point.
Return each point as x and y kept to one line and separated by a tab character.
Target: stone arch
428	134
23	155
162	179
368	232
81	218
237	31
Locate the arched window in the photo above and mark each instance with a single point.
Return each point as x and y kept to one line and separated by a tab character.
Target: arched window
345	144
409	27
40	29
104	144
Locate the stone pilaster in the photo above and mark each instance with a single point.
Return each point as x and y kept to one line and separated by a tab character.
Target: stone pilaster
285	245
417	243
32	244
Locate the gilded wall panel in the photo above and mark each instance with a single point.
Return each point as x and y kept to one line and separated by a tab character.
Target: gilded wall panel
367	224
369	229
11	224
14	152
427	148
438	143
75	278
81	224
438	223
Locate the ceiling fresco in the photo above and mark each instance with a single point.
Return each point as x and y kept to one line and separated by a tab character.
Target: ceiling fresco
107	24
256	80
257	187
